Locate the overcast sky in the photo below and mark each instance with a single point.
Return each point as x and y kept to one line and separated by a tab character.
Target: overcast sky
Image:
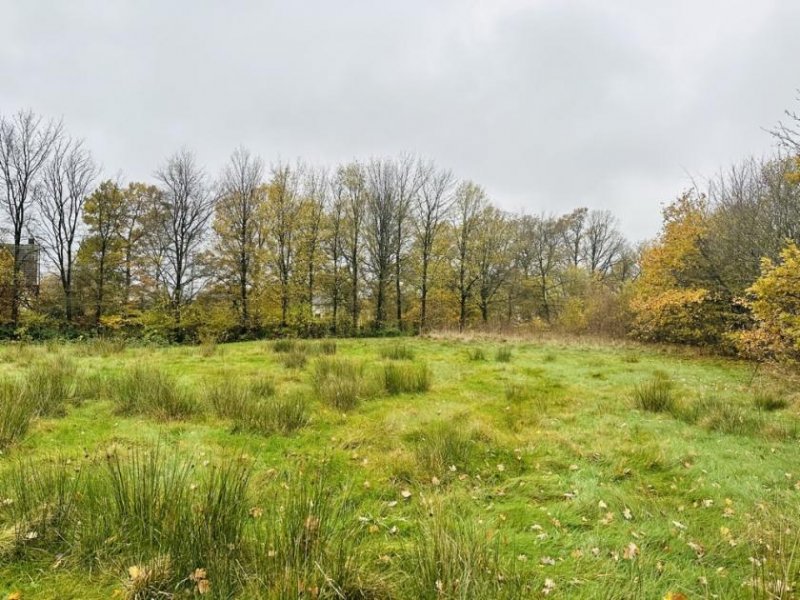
549	104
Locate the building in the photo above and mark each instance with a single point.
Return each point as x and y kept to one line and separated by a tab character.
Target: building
29	256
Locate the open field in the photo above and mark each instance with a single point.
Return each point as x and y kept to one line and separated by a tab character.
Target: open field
394	469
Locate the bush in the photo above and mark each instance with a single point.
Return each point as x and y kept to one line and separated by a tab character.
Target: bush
16	412
397	352
146	389
339	382
503	354
401	378
655	395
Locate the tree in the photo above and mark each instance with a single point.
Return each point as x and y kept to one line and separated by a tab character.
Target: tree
283	208
26	141
602	242
185	211
432	208
545	235
237	224
143	204
333	244
775	302
381	215
67	179
352	180
492	257
104	215
409	177
312	208
470	200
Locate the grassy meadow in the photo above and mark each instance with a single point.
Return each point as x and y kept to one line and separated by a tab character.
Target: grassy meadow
395	468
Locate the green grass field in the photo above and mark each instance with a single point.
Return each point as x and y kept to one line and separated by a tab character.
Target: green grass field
440	468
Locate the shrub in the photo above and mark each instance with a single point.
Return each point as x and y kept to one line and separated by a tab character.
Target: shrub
655	395
283	414
503	354
16	412
397	352
339	382
411	377
145	389
49	384
476	354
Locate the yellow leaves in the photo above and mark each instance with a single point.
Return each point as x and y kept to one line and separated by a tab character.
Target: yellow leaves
675	596
15	596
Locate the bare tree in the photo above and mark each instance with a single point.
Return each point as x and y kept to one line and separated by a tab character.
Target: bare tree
26	141
313	207
602	242
238	211
470	200
574	232
545	236
432	208
186	209
283	204
408	175
333	243
66	182
353	182
381	214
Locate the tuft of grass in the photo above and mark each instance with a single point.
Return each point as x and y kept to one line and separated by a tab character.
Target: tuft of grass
443	445
656	394
102	346
503	354
517	392
397	352
339	382
284	346
406	377
283	414
476	354
145	389
769	400
49	384
451	558
327	347
295	359
16	412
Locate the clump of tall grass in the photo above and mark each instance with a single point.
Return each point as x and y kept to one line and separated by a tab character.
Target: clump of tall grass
101	346
399	378
263	387
452	559
49	384
295	359
146	389
476	354
397	352
16	412
656	394
308	543
517	392
157	515
723	416
284	346
339	382
769	400
283	414
503	354
443	445
327	347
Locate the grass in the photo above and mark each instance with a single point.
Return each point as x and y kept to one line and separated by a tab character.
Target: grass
503	354
397	351
406	378
144	472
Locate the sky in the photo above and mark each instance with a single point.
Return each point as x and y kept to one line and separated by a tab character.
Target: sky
549	104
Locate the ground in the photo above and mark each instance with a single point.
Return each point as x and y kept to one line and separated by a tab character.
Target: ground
520	475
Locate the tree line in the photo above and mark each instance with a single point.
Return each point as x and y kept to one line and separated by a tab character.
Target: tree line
374	246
